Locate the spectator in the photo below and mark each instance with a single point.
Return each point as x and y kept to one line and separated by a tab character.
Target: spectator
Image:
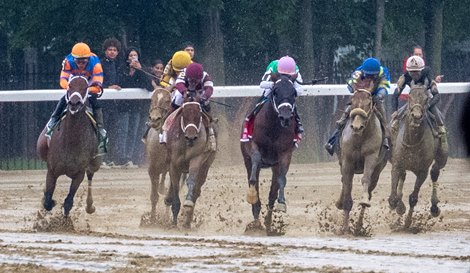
188	47
131	112
110	63
157	71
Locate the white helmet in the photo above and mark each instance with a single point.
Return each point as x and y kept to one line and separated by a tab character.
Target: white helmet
414	63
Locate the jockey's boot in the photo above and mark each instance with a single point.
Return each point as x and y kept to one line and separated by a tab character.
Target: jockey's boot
102	134
381	115
299	128
340	123
55	116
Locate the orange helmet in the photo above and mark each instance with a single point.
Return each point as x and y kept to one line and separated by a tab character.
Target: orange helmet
81	50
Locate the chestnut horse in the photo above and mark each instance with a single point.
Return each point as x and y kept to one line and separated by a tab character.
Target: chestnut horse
361	151
157	152
72	148
188	149
271	146
415	149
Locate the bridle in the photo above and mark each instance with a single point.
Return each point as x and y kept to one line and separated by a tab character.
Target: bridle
197	127
284	104
77	94
359	111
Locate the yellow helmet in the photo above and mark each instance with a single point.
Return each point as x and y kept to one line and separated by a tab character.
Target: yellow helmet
180	60
81	50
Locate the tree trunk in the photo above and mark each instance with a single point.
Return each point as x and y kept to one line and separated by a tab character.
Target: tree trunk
380	18
433	35
213	45
306	63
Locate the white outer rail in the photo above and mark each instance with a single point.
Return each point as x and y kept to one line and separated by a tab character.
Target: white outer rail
219	92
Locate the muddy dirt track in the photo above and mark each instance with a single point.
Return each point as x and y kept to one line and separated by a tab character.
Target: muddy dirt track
112	239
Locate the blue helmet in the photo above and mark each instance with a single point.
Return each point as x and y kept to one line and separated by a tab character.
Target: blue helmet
371	66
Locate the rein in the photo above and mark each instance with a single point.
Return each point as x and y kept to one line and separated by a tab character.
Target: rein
198	127
77	94
284	104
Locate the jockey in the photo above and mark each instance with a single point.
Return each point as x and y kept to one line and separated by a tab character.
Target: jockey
179	61
285	66
371	69
418	73
82	62
193	78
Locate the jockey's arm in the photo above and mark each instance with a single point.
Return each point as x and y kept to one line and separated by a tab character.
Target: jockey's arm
208	87
65	74
436	97
298	84
166	77
353	80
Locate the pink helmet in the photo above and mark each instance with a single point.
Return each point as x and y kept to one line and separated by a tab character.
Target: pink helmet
194	71
286	65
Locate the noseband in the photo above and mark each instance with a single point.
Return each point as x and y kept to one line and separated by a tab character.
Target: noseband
185	127
362	112
284	104
77	94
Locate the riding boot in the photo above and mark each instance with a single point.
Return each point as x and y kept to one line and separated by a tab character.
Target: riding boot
163	134
381	115
440	128
333	140
102	134
55	116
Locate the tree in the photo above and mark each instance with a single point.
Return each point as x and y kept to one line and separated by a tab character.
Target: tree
380	18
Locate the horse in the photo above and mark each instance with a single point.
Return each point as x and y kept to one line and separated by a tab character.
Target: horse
72	148
415	149
271	146
361	151
157	152
188	150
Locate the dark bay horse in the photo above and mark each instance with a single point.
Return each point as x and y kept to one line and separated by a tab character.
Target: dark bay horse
157	152
271	146
361	153
415	149
72	148
188	149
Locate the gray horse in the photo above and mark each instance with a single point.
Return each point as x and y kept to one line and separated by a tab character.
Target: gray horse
415	149
361	153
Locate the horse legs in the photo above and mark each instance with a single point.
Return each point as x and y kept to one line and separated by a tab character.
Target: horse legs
435	211
252	195
154	174
346	197
281	181
173	193
68	202
51	181
274	190
370	166
396	194
89	198
413	198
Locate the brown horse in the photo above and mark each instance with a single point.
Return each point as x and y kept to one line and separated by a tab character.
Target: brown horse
188	149
72	148
415	149
271	146
157	152
361	153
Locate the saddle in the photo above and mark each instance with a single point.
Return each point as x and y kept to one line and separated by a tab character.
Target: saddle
249	123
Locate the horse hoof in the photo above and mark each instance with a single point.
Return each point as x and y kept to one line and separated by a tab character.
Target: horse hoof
339	204
281	207
188	203
49	206
365	203
401	208
252	195
435	211
90	209
392	202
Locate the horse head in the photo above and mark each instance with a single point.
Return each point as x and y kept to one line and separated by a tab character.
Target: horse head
191	117
417	105
77	94
362	107
160	105
283	100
